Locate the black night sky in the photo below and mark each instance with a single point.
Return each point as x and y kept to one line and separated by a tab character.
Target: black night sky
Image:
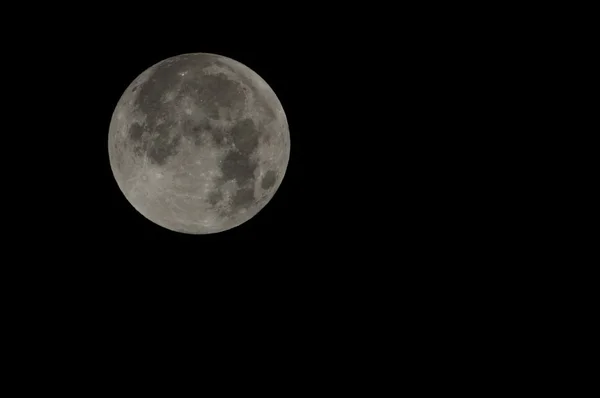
368	156
387	215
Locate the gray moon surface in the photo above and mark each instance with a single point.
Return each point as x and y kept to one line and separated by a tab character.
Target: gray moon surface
199	143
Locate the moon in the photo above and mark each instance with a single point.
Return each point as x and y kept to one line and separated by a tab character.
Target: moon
198	143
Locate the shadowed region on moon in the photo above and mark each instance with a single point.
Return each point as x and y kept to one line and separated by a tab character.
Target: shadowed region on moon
197	142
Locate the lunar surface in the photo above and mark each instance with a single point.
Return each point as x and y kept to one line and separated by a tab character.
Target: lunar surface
199	143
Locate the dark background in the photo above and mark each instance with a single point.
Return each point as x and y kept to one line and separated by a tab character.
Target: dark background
382	237
330	192
379	111
392	243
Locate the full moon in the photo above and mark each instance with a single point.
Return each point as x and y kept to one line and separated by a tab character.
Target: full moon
198	143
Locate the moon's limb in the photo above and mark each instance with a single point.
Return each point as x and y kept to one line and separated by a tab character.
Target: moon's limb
199	143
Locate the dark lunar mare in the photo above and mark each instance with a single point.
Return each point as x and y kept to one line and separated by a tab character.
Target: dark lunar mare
154	139
213	92
259	99
242	198
214	197
239	164
136	131
268	179
210	93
